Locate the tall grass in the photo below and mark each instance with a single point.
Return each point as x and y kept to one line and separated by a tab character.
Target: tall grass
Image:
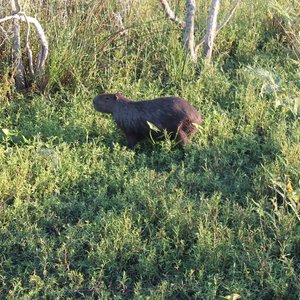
84	217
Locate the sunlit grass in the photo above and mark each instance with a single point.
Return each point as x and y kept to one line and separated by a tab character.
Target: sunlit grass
81	216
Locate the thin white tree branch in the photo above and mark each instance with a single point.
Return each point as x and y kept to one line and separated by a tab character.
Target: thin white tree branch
44	45
119	23
200	43
4	32
6	37
7	18
27	46
228	17
171	14
43	40
15	6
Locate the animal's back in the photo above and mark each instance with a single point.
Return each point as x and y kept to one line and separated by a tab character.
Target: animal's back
164	113
173	114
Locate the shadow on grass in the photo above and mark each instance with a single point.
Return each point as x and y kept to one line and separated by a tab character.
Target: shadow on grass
45	119
130	212
231	167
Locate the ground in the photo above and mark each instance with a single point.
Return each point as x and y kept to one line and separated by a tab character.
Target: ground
82	216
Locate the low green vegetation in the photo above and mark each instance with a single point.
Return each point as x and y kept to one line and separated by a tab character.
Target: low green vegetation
83	217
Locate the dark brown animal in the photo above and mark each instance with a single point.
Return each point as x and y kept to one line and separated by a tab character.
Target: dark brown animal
173	114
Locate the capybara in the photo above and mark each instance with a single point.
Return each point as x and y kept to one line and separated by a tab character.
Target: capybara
173	114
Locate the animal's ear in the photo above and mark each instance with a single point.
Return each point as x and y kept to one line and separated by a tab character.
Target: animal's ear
119	96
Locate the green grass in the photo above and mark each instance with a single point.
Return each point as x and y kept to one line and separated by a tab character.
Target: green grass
83	217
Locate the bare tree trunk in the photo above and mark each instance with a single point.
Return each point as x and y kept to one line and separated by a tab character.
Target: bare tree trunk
211	29
190	28
17	58
221	26
18	67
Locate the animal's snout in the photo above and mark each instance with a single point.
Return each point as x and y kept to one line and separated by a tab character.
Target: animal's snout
95	102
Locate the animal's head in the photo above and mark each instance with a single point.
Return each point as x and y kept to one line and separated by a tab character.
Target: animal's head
106	102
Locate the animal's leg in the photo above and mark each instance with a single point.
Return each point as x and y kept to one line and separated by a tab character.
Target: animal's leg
182	137
131	140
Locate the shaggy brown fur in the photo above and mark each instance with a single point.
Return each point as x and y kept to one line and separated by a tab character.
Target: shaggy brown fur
173	114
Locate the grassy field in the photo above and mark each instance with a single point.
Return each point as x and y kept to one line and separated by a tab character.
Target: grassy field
83	217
